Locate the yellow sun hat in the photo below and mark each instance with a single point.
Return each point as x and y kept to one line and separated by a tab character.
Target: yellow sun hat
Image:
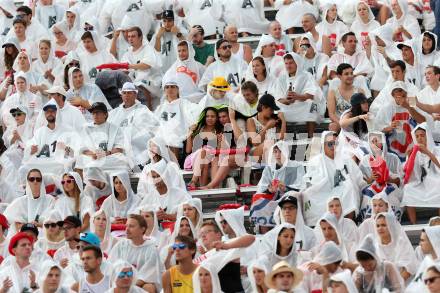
219	83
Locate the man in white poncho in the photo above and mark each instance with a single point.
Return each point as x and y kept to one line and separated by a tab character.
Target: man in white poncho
297	94
136	122
140	253
102	143
330	173
414	69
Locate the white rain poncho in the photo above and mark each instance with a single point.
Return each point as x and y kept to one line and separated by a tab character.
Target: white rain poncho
66	204
76	27
143	257
116	208
344	244
51	63
345	278
422	187
59	72
187	73
235	219
138	124
385	274
197	12
269	246
156	235
289	15
46	267
289	172
261	264
430	96
334	30
8	185
302	83
408	21
263	86
430	58
43	243
150	78
89	61
20	277
274	64
326	177
360	28
102	138
118	266
316	65
399	251
305	238
70	44
414	73
32	77
99	175
109	240
48	15
172	197
247	16
195	203
28	208
88	91
233	71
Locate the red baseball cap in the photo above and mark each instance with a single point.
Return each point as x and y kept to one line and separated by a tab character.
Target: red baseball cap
17	237
4	222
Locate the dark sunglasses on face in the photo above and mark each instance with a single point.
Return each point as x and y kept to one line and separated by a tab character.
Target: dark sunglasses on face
431	280
17	114
226	47
53	225
128	274
223	222
33	179
305	46
67	181
179	246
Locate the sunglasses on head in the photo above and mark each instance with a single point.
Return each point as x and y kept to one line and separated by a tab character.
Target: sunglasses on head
16	114
179	246
67	181
53	225
431	280
128	274
33	179
226	47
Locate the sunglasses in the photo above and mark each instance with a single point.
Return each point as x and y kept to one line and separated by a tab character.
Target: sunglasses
33	179
67	181
53	225
128	274
17	114
330	144
179	246
431	280
226	47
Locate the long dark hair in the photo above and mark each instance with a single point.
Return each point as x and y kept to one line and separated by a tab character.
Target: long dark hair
426	34
10	58
360	126
278	242
261	60
202	122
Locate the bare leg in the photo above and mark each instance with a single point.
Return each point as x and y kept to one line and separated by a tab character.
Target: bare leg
411	211
334	127
310	129
148	97
204	179
214	166
384	14
223	171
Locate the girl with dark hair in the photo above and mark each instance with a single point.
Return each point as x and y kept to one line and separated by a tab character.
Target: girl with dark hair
427	55
355	119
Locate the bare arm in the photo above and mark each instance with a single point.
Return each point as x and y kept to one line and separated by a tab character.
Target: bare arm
240	242
326	46
166	282
428	108
247	54
331	105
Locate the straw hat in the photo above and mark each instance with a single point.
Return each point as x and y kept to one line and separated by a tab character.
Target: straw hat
283	267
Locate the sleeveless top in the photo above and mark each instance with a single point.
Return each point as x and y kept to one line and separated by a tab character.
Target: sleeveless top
180	283
240	52
101	286
342	104
270	134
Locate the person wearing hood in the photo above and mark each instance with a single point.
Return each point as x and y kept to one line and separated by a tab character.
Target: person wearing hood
342	283
72	228
297	94
281	174
258	74
97	185
256	272
119	39
427	53
374	274
136	122
192	209
83	94
101	226
431	277
63	41
141	253
161	192
124	278
421	169
122	201
53	234
289	13
33	27
330	173
414	68
231	69
326	264
62	72
364	22
153	232
393	245
73	201
144	64
49	13
25	40
404	25
51	279
103	143
283	42
315	62
187	72
9	52
73	21
397	119
34	206
273	62
94	54
46	61
22	97
284	278
330	25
